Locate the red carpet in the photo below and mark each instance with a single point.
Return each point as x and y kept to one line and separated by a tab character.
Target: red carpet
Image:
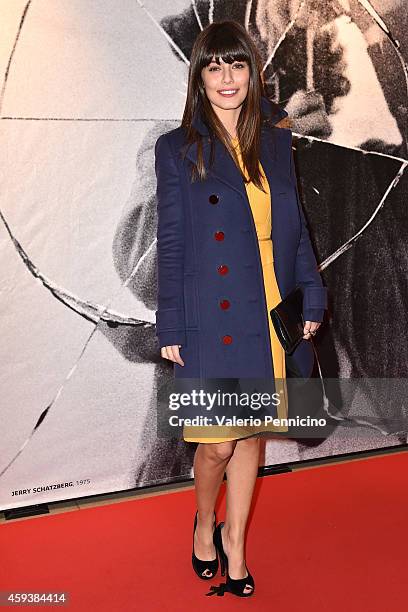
324	539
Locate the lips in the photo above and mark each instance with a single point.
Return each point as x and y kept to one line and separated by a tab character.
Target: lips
228	93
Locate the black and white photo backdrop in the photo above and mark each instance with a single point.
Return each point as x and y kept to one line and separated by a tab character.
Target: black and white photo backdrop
87	88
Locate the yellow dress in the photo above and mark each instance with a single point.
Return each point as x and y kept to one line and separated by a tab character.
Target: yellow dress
260	203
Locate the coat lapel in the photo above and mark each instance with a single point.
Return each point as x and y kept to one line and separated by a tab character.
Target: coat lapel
224	168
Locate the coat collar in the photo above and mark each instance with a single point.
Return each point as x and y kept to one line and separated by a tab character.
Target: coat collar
224	168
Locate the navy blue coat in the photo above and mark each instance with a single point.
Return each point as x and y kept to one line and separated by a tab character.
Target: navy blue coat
190	285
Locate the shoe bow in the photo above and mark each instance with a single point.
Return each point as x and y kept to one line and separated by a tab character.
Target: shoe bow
219	590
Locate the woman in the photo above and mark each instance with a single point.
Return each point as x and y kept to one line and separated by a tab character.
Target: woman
225	258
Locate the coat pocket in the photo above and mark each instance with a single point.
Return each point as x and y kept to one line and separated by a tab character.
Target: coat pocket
190	300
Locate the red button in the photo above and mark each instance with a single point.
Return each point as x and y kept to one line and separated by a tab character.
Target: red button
227	339
225	304
219	235
223	269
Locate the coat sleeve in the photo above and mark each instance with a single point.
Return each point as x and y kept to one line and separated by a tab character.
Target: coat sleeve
170	320
306	270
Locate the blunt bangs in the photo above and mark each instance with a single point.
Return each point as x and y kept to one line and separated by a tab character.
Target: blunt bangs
225	46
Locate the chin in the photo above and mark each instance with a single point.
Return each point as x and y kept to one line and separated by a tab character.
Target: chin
227	103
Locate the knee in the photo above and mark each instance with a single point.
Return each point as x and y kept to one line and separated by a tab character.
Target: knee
221	451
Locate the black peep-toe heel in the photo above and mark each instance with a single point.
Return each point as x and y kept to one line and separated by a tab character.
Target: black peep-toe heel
200	566
236	586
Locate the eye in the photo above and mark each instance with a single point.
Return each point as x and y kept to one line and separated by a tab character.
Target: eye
239	65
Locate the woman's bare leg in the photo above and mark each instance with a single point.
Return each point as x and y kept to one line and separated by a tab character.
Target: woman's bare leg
242	471
210	461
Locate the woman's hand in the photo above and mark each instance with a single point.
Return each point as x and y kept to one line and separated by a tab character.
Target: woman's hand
172	353
310	329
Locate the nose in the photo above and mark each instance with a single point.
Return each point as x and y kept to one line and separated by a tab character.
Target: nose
227	74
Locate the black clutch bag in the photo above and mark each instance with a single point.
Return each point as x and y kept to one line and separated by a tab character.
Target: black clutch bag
287	319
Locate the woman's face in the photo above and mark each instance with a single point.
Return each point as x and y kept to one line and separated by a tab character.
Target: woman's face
226	85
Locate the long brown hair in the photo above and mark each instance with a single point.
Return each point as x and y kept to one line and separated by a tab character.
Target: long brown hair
229	40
